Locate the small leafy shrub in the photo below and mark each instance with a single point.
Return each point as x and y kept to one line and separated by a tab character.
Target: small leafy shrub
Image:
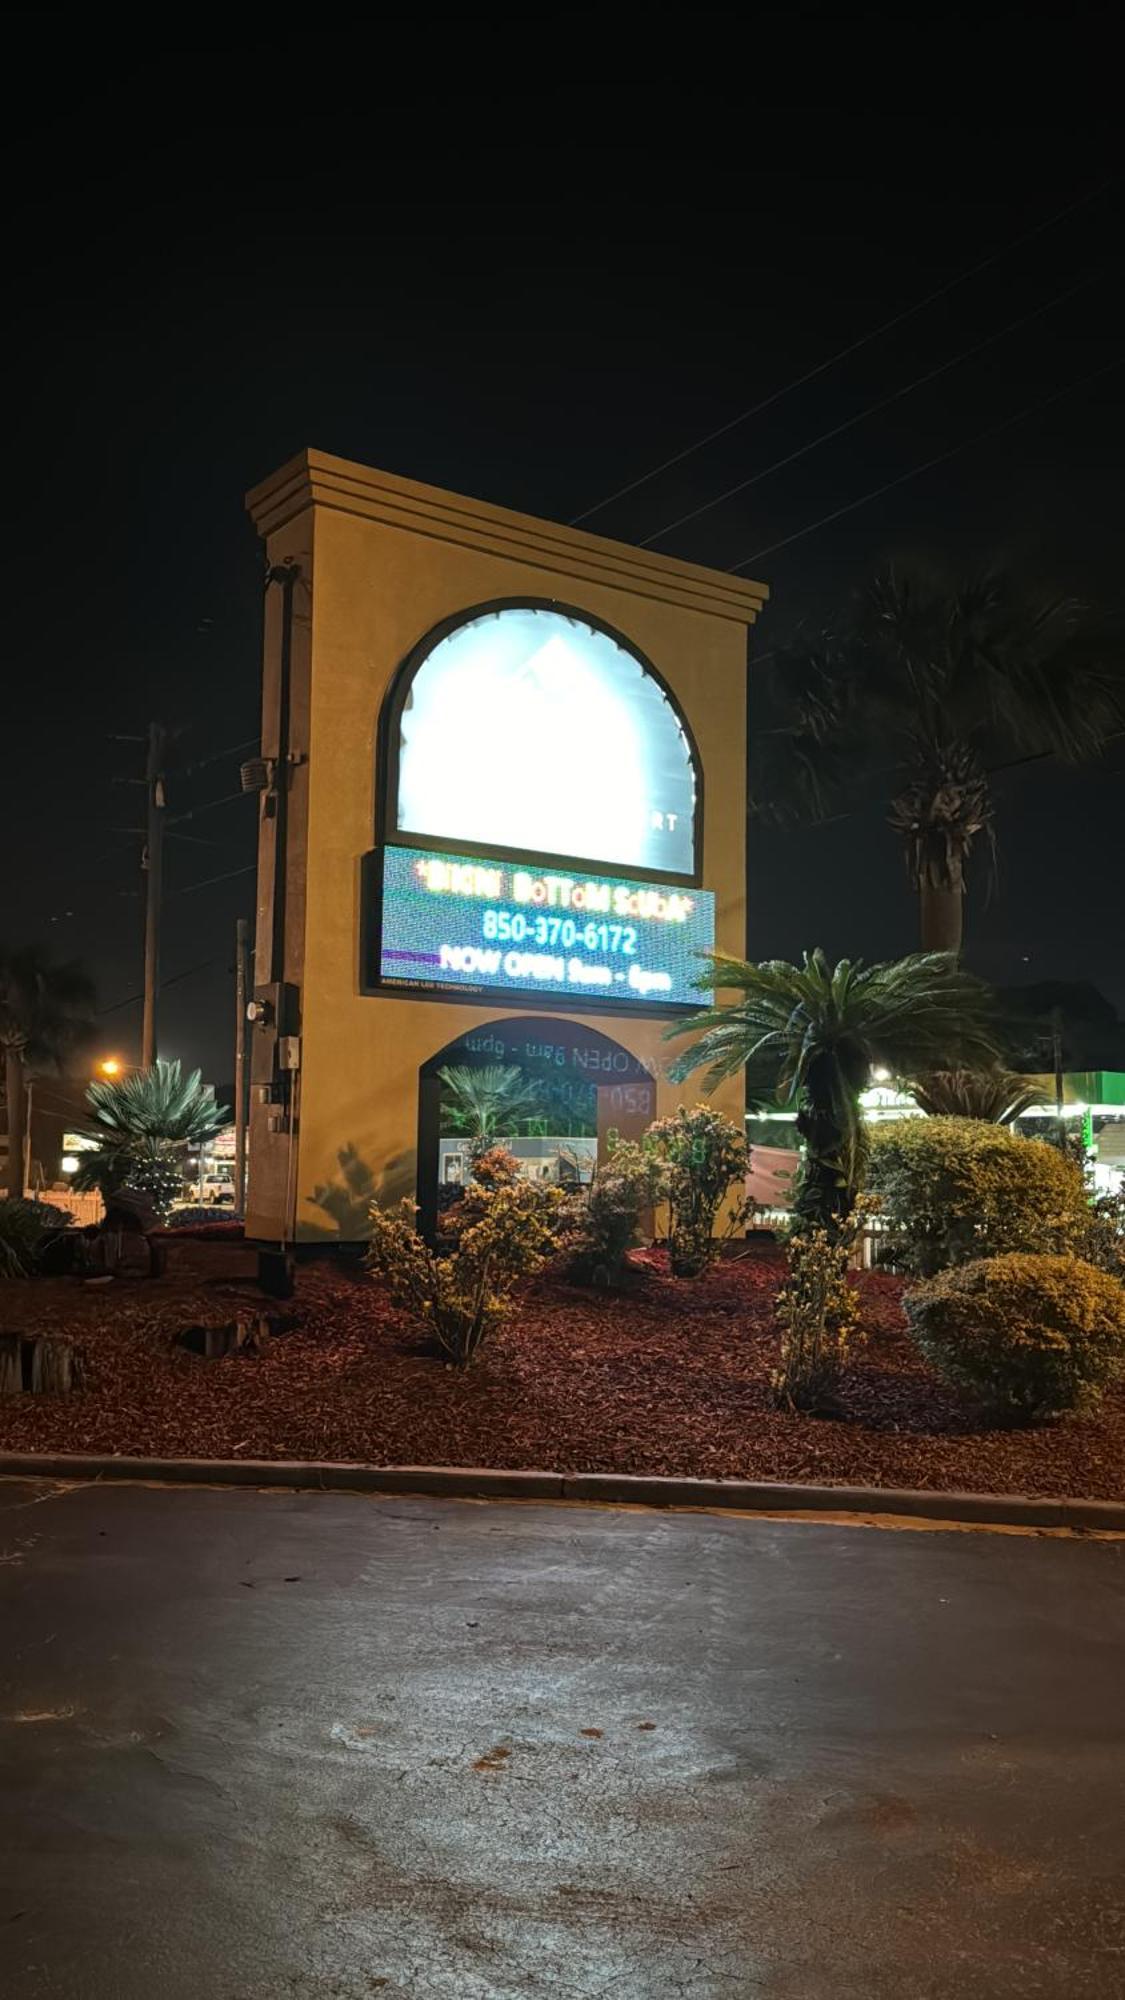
505	1232
818	1313
954	1189
704	1157
492	1169
1032	1336
603	1222
25	1226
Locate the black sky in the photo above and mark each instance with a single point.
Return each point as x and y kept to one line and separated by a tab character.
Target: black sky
532	292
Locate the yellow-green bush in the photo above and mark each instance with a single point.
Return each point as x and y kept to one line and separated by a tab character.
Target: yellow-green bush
953	1189
818	1313
1032	1336
505	1230
704	1159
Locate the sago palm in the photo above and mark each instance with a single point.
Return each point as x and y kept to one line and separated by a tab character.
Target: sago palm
156	1103
143	1123
993	1095
46	1013
928	684
487	1103
812	1033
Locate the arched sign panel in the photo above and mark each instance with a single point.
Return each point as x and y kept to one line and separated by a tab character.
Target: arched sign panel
515	739
527	728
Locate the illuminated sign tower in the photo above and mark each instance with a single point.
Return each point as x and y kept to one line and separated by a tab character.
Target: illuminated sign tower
503	815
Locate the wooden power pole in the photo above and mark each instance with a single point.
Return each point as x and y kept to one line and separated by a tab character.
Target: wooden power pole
242	990
153	865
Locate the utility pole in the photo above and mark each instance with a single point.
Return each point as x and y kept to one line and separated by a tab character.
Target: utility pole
242	991
153	865
1057	1058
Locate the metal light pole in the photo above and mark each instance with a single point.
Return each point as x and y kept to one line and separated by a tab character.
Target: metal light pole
153	865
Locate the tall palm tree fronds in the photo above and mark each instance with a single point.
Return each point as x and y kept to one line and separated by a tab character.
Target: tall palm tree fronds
46	1014
812	1033
928	684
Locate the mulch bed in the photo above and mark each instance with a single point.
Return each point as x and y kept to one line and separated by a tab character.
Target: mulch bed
670	1378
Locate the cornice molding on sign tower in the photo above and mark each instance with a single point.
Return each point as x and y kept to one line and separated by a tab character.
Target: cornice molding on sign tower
316	478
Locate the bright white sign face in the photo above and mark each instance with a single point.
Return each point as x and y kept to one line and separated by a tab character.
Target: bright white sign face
534	732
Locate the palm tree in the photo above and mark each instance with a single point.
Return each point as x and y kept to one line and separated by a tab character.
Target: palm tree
487	1103
995	1095
812	1033
949	680
46	1013
143	1123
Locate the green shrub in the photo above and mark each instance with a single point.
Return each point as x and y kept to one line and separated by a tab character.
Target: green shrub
817	1311
505	1231
1032	1336
603	1222
953	1189
25	1226
704	1157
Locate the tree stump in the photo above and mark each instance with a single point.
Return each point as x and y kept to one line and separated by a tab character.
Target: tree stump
39	1364
250	1333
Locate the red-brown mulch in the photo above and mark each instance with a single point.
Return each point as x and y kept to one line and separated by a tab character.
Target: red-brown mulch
670	1378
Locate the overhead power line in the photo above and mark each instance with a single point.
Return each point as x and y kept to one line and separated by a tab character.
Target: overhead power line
939	458
194	812
229	876
841	354
134	999
884	402
216	756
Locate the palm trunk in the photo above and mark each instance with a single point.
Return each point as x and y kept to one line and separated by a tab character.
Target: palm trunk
942	915
17	1121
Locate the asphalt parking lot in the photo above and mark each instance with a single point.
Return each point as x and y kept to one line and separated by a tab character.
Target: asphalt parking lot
275	1744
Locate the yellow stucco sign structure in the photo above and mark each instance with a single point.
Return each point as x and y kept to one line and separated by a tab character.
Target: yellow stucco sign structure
502	813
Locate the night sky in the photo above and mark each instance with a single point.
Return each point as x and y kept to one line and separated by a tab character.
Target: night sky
534	299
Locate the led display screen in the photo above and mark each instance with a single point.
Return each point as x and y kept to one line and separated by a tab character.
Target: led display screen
449	920
534	732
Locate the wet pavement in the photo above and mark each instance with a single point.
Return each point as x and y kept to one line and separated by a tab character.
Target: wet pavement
255	1746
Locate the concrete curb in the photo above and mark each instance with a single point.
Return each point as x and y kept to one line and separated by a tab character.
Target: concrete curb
604	1489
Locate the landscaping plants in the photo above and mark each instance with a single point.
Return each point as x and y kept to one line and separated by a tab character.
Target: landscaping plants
817	1310
143	1124
46	1015
668	1378
504	1230
602	1224
25	1226
996	1095
818	1313
1032	1336
811	1034
703	1157
953	1189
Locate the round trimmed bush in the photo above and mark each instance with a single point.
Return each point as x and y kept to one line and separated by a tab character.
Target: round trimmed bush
1032	1336
953	1189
